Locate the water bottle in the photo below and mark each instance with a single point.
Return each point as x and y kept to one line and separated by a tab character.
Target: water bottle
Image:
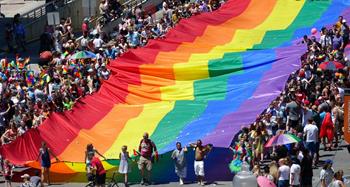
244	178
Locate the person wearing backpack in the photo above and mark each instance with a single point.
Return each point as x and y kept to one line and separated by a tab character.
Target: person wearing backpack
146	149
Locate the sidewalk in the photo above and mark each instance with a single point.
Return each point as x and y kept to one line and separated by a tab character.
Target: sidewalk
12	7
340	157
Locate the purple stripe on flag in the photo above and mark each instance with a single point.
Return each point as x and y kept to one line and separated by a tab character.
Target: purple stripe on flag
271	85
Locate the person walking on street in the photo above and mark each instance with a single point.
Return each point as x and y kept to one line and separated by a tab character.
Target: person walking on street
294	111
327	131
295	173
311	137
146	149
178	156
283	173
327	173
200	154
124	167
306	169
45	161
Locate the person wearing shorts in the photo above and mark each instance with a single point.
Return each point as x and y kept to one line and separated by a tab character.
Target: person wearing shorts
199	168
145	163
200	153
146	149
98	169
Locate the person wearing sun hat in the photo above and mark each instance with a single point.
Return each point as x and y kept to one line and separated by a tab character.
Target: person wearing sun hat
326	174
26	181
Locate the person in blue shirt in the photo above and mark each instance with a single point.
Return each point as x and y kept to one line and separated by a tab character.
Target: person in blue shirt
133	38
20	34
156	32
111	52
3	76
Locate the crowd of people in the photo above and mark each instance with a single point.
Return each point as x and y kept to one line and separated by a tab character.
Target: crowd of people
138	26
30	93
310	108
146	155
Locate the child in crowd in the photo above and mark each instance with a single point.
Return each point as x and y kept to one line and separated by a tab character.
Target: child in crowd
124	166
8	173
89	171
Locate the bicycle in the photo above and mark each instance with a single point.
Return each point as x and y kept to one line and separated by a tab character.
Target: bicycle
113	182
91	180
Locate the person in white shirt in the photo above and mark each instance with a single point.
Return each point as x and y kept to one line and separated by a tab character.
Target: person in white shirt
294	177
327	173
98	42
84	42
283	173
337	180
325	39
311	136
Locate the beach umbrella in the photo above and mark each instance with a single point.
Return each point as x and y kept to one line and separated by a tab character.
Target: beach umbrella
83	55
265	182
282	139
331	65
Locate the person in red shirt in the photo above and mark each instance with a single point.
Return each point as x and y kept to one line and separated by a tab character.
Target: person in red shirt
98	169
85	26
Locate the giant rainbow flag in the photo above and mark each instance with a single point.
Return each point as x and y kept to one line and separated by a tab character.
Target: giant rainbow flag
212	74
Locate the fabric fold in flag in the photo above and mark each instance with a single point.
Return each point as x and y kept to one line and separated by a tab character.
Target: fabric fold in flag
212	74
